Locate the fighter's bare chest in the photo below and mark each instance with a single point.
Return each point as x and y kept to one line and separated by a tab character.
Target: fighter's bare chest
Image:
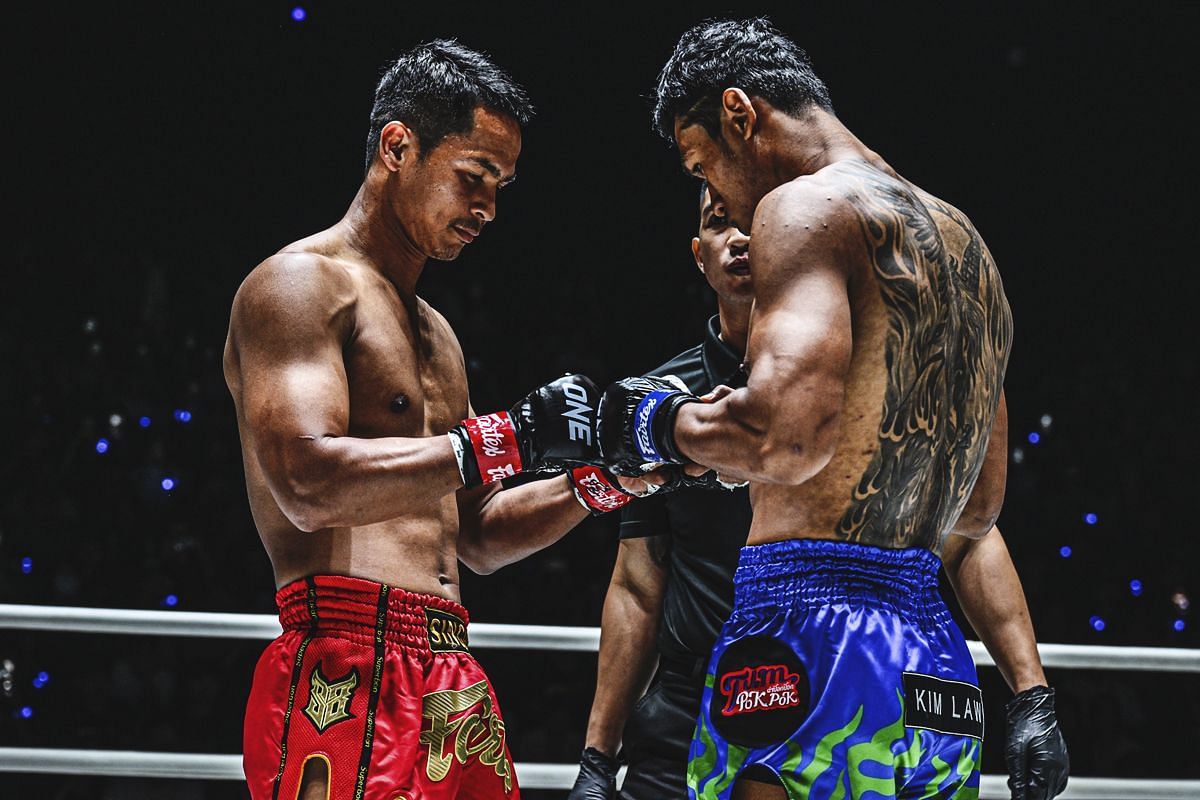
405	376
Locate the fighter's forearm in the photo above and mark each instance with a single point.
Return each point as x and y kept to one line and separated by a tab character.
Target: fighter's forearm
342	481
736	437
515	523
628	655
991	596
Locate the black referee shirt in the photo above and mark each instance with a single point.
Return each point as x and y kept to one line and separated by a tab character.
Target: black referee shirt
707	527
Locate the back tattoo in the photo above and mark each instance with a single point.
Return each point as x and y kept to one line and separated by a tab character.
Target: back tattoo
949	334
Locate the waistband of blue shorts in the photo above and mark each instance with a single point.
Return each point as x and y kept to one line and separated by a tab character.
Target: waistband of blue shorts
817	572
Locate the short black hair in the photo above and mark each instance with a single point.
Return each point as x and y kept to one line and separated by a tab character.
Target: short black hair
749	54
435	88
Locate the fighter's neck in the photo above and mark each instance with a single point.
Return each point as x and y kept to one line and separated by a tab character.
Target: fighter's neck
812	142
378	240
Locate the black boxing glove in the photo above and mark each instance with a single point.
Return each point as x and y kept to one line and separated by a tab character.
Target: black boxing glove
636	424
1038	763
597	777
553	429
678	479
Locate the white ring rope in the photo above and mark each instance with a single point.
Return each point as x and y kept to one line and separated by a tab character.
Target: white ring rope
116	763
134	764
518	637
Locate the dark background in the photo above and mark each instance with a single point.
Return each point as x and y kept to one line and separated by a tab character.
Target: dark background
157	153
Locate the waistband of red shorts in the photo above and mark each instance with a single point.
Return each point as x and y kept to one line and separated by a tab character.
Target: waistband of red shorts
363	608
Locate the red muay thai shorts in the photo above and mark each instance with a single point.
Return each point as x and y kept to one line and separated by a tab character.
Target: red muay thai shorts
378	684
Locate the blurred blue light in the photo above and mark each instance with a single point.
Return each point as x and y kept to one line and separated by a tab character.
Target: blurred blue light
1179	625
41	679
27	565
1035	437
299	14
168	484
144	422
171	600
26	712
1090	519
182	415
1064	551
1097	623
102	446
1135	586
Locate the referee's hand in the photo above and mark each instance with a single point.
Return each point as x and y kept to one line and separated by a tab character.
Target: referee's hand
597	777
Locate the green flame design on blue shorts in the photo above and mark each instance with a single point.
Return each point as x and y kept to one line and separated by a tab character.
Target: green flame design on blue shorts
855	618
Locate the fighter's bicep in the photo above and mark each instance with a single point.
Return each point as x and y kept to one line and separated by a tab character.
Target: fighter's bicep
289	337
299	398
802	302
800	344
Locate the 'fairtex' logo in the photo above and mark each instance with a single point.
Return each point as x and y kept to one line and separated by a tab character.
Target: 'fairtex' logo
605	496
501	472
643	426
578	413
491	435
766	688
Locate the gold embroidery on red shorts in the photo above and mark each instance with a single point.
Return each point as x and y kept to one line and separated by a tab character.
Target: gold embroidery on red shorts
329	701
480	733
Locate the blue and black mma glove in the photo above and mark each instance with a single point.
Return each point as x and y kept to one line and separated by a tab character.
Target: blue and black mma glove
636	424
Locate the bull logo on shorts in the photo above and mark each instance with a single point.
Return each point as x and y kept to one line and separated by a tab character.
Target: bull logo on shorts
329	701
479	733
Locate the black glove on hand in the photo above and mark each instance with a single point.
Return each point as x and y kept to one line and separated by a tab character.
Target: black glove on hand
551	430
1036	753
678	479
597	777
636	424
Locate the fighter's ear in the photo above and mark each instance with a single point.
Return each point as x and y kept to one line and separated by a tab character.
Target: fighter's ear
738	115
396	142
696	253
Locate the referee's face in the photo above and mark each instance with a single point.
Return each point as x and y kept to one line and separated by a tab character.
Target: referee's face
722	253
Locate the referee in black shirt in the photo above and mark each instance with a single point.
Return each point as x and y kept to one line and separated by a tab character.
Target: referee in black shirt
672	589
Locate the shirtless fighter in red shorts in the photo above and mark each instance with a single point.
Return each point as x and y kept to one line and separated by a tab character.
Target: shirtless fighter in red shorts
365	487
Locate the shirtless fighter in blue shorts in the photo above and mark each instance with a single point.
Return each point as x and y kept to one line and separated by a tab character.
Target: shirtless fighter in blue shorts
871	427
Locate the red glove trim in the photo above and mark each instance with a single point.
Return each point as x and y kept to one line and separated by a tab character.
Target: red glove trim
596	491
494	441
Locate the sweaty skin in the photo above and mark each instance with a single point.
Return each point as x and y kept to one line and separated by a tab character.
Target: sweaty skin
344	382
877	346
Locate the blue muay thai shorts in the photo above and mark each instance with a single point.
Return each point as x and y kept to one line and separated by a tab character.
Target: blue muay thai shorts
841	673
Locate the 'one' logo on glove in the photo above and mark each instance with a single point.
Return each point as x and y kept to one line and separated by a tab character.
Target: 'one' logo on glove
579	414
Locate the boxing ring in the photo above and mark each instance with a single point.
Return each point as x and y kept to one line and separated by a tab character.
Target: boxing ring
198	766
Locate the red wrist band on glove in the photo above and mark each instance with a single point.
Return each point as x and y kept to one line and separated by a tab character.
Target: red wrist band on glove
596	491
494	441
